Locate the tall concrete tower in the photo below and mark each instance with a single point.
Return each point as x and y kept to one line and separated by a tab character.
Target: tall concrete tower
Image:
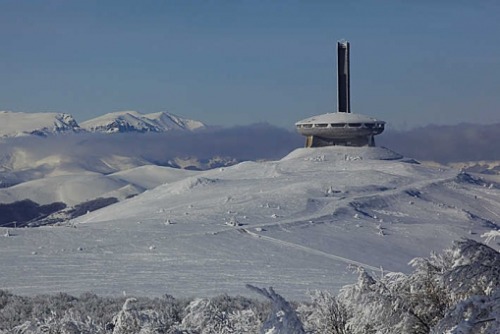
343	127
343	78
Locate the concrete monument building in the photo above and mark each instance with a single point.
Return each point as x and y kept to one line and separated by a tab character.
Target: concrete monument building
342	127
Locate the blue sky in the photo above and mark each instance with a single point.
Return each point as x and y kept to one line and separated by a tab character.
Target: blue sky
239	62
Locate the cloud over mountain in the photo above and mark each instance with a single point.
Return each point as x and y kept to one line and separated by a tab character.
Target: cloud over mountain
446	143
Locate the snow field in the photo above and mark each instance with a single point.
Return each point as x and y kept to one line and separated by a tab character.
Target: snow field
301	222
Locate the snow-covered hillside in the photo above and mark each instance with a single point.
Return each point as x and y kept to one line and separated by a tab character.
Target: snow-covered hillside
133	121
82	168
14	124
294	224
76	169
483	167
76	188
478	167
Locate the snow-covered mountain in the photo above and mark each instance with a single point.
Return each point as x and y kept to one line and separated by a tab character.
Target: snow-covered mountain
14	124
295	224
133	121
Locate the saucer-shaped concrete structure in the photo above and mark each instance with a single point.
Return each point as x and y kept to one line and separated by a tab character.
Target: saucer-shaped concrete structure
340	128
343	127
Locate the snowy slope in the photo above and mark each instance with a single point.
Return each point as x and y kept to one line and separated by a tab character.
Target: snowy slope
168	121
133	121
300	222
76	188
483	167
17	123
76	169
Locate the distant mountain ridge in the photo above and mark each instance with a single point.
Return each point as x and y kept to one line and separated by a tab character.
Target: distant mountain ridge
133	121
14	124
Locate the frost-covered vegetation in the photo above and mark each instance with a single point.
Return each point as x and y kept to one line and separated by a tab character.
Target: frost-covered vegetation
453	292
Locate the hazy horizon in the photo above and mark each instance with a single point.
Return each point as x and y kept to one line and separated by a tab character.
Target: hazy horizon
264	141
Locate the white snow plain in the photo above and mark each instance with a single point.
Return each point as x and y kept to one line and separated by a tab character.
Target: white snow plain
296	224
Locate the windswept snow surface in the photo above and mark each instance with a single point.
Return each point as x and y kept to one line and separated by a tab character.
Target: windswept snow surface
294	224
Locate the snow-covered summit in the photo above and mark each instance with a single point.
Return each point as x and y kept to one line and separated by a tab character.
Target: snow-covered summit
295	224
14	124
133	121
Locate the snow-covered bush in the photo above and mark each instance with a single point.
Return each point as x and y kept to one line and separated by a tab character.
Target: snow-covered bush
324	314
28	314
130	320
14	310
491	236
455	292
443	291
222	314
283	318
475	270
475	315
68	323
